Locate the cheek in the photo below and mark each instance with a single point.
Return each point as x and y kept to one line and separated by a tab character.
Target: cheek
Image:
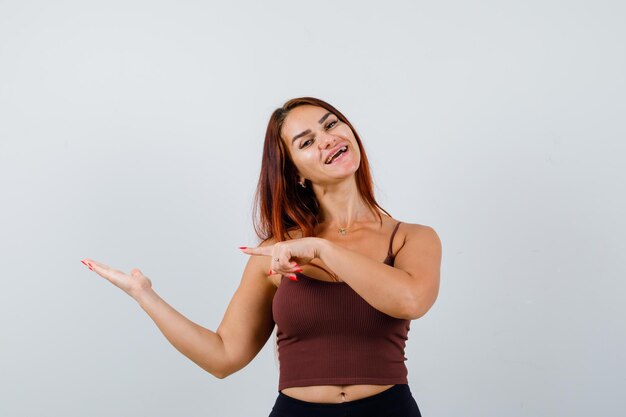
303	161
356	158
356	154
346	131
308	159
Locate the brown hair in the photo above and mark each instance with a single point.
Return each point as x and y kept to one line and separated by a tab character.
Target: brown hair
282	203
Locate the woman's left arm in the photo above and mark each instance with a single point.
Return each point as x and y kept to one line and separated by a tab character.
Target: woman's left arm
406	290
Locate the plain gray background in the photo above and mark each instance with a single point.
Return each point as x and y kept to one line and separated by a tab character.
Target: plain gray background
131	133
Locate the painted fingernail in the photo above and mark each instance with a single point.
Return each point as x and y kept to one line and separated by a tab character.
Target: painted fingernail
292	277
299	270
270	273
243	247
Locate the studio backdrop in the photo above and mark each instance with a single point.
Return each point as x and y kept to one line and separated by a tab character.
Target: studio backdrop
131	133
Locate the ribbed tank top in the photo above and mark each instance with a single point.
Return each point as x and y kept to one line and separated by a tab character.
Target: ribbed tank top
329	335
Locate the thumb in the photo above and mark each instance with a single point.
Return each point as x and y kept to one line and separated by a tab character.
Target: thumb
136	272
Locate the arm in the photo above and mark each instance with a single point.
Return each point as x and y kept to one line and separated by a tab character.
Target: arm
406	290
245	328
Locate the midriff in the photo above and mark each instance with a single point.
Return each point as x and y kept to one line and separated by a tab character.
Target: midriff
332	394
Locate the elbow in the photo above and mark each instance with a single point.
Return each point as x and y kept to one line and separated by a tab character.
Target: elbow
221	373
412	313
413	309
415	313
408	311
417	304
225	371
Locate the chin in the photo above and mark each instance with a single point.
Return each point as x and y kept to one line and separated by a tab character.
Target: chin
347	174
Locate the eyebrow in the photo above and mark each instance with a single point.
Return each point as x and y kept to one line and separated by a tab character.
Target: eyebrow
306	132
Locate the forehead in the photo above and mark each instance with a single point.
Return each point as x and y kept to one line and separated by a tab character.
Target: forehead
300	119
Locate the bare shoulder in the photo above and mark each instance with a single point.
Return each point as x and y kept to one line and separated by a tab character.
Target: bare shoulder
420	254
420	235
420	257
295	233
414	229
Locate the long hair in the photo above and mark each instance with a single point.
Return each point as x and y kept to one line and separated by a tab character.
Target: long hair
280	202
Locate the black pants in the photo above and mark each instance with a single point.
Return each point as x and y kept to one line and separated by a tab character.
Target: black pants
396	401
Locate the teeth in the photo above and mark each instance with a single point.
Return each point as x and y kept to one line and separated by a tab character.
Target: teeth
343	148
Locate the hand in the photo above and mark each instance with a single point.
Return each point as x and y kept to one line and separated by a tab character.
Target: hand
132	284
288	256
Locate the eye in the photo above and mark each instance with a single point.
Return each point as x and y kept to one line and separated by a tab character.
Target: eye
331	124
304	144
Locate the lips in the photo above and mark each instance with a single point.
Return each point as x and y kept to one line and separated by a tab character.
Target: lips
333	152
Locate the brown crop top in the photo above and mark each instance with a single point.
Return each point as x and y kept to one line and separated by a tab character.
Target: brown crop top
329	335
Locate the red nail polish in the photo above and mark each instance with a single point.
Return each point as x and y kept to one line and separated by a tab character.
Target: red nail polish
243	247
299	270
292	277
270	273
90	265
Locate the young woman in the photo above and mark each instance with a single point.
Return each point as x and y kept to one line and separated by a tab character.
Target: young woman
339	277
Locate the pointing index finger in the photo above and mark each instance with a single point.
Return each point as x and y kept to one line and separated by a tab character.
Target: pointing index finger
264	250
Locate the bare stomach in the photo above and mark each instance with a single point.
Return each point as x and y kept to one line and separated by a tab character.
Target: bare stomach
333	394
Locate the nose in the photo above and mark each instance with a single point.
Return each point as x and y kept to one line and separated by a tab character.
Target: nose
327	141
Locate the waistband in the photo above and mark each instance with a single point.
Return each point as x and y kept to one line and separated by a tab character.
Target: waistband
382	402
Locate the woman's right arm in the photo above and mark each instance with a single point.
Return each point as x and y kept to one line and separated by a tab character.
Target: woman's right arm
244	330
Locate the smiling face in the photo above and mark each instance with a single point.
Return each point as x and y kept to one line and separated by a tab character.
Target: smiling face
322	147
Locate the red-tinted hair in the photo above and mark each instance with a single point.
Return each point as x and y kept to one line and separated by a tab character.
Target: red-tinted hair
282	204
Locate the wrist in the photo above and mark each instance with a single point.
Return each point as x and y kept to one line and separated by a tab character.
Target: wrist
144	295
323	246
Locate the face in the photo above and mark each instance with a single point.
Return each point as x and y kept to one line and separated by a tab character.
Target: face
313	135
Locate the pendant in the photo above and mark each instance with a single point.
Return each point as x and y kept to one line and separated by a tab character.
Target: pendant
343	231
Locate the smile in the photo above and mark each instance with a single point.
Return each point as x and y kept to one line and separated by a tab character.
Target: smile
334	158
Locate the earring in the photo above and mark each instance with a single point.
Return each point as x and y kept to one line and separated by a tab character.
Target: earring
302	184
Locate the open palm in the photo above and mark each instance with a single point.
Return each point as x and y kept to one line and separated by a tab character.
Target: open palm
131	283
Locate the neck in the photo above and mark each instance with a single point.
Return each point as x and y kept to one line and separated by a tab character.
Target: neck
341	206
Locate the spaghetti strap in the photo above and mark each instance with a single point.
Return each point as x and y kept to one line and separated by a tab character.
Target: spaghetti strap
390	253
